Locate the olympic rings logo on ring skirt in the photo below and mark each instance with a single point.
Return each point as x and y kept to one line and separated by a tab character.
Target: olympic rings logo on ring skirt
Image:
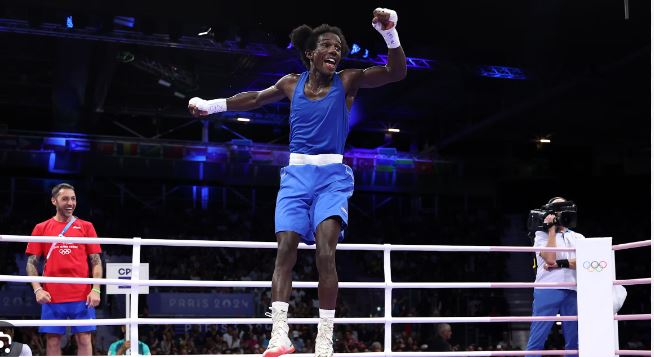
595	266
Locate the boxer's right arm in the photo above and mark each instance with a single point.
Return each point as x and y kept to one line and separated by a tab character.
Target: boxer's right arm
244	101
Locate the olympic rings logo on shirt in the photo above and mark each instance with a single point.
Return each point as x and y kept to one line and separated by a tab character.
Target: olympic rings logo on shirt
65	251
595	265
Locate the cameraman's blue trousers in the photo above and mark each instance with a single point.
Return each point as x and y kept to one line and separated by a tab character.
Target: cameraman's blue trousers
549	302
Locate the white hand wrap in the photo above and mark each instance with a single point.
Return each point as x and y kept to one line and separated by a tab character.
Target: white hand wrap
209	106
390	36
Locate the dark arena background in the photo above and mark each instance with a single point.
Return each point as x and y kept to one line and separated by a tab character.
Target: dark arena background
505	105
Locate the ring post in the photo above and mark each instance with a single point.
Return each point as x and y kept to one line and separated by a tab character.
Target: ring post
134	296
127	315
388	301
595	273
616	334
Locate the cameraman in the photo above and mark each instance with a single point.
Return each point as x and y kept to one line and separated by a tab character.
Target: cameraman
7	342
555	267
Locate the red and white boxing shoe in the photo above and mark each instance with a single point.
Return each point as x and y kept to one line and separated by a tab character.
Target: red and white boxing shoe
324	339
279	343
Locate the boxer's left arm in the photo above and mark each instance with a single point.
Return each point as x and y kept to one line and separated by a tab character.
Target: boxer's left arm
384	21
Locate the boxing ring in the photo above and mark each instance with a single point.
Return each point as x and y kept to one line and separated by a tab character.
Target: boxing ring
596	276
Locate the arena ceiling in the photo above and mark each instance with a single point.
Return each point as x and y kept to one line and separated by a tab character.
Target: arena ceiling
585	67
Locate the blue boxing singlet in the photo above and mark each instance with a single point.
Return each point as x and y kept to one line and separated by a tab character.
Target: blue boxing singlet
319	126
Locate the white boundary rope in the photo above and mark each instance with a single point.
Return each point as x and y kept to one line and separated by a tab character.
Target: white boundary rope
297	284
273	245
314	321
459	353
387	285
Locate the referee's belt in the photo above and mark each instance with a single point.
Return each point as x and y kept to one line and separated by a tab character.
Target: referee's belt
317	160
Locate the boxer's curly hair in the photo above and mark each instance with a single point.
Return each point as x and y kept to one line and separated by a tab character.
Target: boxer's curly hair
305	38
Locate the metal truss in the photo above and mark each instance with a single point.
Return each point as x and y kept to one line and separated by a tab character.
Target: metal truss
411	62
137	38
502	72
184	42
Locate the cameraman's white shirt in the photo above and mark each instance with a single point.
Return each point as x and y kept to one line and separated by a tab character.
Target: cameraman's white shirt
566	239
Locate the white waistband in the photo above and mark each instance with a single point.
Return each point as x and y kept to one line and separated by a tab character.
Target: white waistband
318	160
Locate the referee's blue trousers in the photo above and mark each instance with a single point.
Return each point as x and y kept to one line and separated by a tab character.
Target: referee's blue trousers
549	302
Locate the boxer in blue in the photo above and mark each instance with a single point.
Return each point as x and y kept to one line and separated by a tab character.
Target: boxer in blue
315	186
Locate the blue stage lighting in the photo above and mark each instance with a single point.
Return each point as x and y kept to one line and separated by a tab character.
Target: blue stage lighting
502	72
365	53
69	22
355	49
204	197
126	21
355	114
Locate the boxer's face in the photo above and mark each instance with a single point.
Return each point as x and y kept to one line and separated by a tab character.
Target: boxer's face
327	55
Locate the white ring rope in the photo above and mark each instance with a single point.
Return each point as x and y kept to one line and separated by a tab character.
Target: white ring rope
388	285
298	284
427	354
273	245
458	353
640	281
644	243
268	284
311	321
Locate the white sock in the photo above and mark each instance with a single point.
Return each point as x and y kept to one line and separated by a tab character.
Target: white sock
329	314
280	305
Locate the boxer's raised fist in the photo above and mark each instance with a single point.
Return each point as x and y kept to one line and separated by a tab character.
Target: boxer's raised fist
384	19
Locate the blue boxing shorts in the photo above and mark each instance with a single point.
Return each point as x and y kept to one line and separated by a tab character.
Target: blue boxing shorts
66	311
309	194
